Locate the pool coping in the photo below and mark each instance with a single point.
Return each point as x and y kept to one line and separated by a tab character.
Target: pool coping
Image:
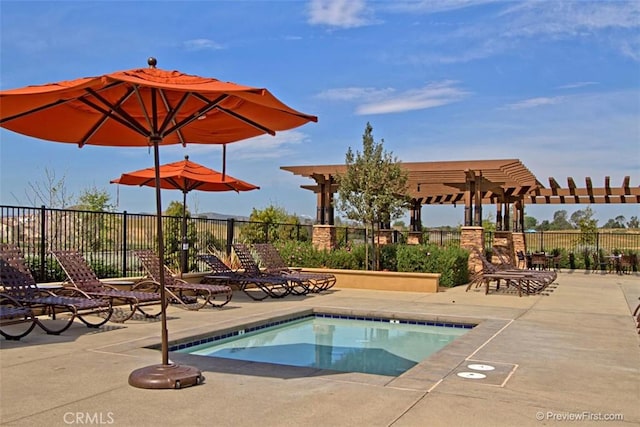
423	377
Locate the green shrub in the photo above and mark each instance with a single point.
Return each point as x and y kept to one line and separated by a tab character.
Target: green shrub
451	262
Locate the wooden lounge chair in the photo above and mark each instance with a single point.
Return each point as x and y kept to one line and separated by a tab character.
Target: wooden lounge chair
125	302
256	287
19	284
525	281
13	313
192	296
273	263
282	286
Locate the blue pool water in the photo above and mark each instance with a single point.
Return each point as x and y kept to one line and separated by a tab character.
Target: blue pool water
383	347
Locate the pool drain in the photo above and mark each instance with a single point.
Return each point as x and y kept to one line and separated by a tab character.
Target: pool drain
471	375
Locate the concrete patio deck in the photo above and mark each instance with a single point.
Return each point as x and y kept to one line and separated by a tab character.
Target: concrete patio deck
572	357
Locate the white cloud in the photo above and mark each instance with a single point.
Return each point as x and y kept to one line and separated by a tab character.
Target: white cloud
535	102
576	85
339	13
259	147
202	44
436	6
571	18
384	101
354	93
432	95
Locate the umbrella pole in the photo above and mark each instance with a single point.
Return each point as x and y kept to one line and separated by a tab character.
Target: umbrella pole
167	375
185	245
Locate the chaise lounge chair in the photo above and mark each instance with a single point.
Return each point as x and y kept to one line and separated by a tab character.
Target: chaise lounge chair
17	282
256	287
14	313
192	296
284	285
125	303
525	281
273	263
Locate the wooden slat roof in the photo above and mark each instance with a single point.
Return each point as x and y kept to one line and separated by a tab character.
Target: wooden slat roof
503	180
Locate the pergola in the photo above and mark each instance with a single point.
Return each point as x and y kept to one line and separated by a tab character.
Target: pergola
474	183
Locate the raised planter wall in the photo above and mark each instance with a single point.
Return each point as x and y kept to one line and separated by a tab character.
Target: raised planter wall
383	280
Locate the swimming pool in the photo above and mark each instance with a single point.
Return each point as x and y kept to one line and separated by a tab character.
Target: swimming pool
334	342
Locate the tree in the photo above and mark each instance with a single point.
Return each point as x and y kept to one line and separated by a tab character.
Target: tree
489	223
587	225
373	188
618	222
634	222
581	215
95	200
560	221
50	192
266	225
95	229
530	223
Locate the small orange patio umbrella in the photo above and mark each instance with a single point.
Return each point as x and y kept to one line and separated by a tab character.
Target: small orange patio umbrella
185	176
148	107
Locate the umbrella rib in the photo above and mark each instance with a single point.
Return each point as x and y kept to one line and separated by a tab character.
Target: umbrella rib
174	183
171	117
43	107
247	121
35	110
125	120
210	105
104	118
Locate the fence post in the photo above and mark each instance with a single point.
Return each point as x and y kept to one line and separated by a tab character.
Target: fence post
265	227
542	241
230	234
124	244
43	229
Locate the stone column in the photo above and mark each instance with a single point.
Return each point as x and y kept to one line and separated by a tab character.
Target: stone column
472	239
324	237
414	238
519	243
384	237
504	240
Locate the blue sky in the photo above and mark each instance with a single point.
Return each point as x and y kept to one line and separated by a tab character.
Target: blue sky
554	84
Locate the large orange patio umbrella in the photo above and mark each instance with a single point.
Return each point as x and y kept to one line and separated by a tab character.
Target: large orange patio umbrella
185	176
147	107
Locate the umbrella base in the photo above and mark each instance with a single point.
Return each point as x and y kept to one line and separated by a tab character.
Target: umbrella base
165	377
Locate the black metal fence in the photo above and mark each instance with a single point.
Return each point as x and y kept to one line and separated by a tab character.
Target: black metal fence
107	239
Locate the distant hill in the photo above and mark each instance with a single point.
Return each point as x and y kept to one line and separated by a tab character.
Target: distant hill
215	215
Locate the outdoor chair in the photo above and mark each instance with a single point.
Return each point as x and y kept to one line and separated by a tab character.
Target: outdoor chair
256	287
539	261
191	296
626	264
12	314
525	281
273	263
600	263
506	265
284	285
522	260
18	282
125	302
